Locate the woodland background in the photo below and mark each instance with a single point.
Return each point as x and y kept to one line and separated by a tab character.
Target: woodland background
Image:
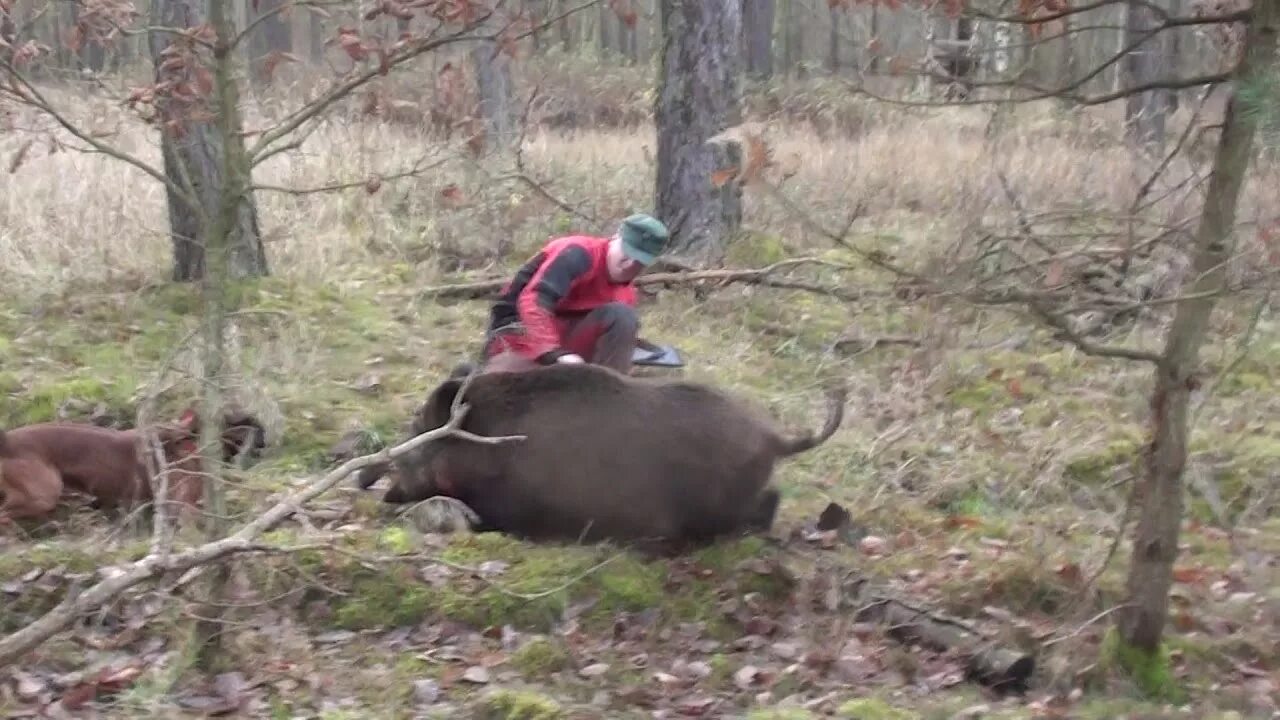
1039	240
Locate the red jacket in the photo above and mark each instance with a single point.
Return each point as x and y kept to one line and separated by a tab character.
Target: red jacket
569	276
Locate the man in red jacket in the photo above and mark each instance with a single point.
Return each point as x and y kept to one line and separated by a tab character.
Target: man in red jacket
574	301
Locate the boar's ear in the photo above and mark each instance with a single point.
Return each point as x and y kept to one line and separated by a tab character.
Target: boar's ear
435	412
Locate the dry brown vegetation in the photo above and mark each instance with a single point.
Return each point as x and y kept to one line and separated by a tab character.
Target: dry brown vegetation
986	464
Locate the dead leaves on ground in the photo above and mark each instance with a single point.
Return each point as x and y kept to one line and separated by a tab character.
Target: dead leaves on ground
774	632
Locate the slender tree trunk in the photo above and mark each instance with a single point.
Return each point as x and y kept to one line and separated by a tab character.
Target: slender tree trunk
190	148
833	41
564	28
1155	546
7	31
698	97
1145	113
493	86
757	19
232	166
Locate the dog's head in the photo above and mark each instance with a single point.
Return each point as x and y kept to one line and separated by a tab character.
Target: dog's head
179	438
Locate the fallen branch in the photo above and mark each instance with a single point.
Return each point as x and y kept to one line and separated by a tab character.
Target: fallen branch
155	565
488	289
997	667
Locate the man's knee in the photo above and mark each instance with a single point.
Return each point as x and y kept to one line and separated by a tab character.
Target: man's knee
618	315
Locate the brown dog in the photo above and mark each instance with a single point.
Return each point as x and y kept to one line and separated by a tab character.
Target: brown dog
38	462
605	456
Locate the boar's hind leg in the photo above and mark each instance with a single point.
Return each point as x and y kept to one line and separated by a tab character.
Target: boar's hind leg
765	512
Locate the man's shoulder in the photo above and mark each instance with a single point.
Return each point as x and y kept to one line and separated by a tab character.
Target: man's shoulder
588	242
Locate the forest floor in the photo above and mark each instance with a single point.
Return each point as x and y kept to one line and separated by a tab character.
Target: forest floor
985	464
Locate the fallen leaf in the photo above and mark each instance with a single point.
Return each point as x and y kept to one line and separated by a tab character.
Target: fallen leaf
695	706
426	691
786	650
1053	277
746	676
1070	573
476	674
1189	575
594	670
872	545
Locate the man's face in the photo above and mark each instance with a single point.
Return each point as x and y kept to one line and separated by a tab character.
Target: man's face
622	269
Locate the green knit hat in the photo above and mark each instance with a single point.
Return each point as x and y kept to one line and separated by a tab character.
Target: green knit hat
643	238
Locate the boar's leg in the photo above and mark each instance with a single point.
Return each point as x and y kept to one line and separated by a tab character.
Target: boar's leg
765	513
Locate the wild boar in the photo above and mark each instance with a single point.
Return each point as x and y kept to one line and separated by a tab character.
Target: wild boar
604	456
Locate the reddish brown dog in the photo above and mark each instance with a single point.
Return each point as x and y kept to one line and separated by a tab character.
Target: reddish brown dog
38	462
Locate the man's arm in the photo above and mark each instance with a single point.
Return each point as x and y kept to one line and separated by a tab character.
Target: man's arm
537	302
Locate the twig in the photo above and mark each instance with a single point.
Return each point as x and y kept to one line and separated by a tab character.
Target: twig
1054	641
417	169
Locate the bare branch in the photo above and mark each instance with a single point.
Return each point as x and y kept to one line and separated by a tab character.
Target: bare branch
417	169
756	276
1065	331
31	96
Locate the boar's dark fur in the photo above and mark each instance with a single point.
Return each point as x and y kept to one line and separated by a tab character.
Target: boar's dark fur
605	456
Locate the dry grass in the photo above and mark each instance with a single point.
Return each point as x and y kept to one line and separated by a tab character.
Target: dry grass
71	217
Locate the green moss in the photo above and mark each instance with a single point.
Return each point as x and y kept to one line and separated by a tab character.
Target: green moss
1152	673
873	709
397	540
390	598
41	402
755	250
518	705
540	657
1096	468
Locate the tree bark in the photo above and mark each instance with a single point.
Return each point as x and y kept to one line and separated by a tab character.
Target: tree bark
757	18
699	95
191	147
1155	546
272	34
1145	113
493	87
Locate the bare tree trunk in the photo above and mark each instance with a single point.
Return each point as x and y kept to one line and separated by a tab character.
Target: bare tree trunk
493	86
232	166
603	40
272	34
7	33
873	65
1155	546
191	148
317	38
565	29
833	41
698	97
1145	113
757	18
